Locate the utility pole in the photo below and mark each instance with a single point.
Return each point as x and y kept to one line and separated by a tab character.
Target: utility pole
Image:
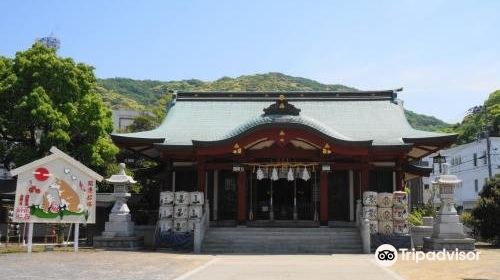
486	131
488	140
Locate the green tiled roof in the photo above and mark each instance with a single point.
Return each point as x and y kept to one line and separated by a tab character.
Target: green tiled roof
380	120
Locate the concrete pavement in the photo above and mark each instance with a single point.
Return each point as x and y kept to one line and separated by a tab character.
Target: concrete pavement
317	267
140	265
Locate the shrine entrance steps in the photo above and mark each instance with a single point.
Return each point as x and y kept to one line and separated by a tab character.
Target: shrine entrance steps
268	240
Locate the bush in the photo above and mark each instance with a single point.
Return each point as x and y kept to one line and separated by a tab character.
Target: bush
487	212
415	217
468	219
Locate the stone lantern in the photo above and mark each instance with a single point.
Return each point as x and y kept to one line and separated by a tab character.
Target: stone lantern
119	230
448	232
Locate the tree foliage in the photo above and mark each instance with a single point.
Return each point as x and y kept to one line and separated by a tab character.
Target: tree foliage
424	122
474	124
486	213
53	99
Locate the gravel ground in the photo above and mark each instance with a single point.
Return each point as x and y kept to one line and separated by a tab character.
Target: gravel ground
97	265
487	267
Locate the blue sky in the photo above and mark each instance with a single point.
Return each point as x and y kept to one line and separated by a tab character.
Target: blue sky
446	54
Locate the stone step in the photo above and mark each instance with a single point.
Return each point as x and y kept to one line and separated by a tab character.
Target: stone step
323	250
290	236
268	246
304	240
255	229
282	240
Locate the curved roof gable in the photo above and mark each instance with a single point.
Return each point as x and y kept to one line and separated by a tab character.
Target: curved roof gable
374	116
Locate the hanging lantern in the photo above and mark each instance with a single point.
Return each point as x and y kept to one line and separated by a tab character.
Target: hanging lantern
282	173
265	171
297	172
274	175
290	176
305	174
260	174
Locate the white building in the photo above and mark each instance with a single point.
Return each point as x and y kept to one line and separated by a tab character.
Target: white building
469	163
123	118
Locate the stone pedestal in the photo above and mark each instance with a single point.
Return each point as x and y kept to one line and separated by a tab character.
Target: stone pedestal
120	223
436	244
119	230
448	232
119	243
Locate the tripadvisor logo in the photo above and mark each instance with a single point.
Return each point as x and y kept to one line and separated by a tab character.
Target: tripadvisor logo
386	255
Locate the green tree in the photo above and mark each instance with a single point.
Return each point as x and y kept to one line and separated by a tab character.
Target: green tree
486	213
47	100
473	124
142	122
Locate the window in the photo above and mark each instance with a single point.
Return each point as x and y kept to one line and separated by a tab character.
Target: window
475	159
426	186
485	158
476	185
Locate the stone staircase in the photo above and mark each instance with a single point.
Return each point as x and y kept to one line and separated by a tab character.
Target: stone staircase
268	240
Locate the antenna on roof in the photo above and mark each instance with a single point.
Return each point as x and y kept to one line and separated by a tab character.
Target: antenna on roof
50	41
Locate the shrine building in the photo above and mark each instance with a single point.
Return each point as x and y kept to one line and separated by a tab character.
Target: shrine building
265	157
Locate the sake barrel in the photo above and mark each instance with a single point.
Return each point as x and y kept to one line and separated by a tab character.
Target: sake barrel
385	227
400	199
401	227
370	212
180	212
400	214
181	198
370	198
373	226
191	223
180	225
195	211
384	214
384	200
166	212
166	198
165	225
196	198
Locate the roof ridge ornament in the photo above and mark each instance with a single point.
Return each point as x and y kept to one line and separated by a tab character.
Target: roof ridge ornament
281	107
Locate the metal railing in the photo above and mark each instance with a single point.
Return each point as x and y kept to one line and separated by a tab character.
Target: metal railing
200	228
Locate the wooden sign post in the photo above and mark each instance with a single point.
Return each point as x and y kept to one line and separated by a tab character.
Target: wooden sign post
55	189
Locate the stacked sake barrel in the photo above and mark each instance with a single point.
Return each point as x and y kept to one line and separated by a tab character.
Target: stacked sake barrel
180	210
384	203
400	212
387	212
370	210
166	213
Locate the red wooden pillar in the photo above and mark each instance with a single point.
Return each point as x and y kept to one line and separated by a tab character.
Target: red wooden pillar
201	177
399	176
242	197
364	179
323	198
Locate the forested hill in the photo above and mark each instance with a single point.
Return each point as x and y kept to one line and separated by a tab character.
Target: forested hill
143	94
